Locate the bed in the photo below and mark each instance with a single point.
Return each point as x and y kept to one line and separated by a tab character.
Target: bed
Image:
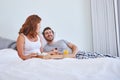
13	68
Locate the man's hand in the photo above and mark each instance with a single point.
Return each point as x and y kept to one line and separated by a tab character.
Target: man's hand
54	52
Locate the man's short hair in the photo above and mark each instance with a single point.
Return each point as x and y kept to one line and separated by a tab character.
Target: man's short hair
47	28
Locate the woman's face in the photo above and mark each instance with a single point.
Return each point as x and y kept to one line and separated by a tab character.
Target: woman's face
38	28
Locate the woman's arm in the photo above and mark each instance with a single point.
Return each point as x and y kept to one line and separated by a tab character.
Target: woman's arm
20	48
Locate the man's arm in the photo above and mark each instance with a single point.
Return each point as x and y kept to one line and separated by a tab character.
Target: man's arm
73	47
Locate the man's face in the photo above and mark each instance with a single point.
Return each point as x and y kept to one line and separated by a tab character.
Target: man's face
49	36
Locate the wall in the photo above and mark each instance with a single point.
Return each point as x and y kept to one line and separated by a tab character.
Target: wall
70	19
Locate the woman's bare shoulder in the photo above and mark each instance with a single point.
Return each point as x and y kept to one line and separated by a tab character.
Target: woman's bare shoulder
20	37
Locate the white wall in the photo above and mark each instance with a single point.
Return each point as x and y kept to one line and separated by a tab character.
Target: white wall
70	19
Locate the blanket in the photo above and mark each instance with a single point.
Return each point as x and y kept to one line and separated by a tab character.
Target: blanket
13	68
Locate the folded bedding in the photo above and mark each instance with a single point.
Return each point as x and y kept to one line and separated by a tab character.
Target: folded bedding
87	55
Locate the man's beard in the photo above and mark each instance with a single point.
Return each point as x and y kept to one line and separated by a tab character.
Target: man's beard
49	40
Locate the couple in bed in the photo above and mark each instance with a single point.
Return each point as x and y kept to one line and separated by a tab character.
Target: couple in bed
29	42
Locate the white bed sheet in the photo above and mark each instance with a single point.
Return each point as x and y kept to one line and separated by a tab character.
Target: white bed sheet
13	68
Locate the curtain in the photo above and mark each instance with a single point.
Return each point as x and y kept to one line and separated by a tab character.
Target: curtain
104	27
117	11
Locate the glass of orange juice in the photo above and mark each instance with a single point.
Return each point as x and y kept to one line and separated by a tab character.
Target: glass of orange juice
65	53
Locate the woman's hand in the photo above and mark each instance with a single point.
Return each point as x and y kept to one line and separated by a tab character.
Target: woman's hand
48	56
33	55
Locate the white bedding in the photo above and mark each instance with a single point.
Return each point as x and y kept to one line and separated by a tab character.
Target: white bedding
13	68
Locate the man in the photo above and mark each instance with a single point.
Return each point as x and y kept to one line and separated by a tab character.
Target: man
58	47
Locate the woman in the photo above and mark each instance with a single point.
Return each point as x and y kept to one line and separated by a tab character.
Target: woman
28	41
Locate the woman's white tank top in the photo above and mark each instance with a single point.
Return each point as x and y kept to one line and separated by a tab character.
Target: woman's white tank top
32	47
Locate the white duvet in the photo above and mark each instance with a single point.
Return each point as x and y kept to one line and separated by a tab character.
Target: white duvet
13	68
